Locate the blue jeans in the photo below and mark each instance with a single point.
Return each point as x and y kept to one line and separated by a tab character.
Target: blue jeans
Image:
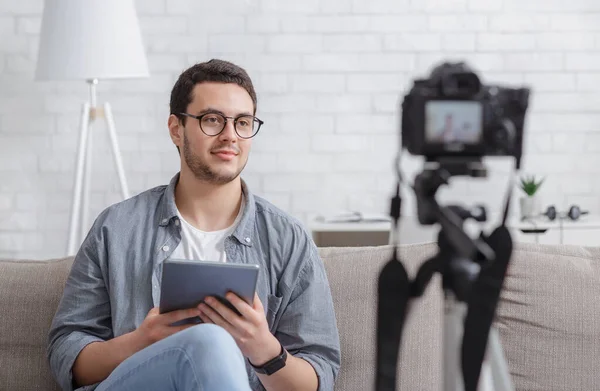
203	357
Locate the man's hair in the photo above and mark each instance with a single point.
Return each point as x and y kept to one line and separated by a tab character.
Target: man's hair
219	71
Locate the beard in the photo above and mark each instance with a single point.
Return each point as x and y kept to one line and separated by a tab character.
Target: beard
202	170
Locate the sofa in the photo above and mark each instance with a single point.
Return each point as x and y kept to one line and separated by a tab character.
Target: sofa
548	318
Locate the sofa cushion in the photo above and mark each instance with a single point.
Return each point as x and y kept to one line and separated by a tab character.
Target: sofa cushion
353	274
549	317
29	292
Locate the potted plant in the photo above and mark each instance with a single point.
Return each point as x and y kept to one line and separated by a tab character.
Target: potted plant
529	202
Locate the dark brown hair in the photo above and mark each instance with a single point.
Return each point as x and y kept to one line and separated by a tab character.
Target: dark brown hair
219	71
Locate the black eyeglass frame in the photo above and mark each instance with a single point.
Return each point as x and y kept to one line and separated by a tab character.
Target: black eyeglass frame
199	118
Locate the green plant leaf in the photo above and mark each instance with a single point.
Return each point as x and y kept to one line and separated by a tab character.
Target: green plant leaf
530	185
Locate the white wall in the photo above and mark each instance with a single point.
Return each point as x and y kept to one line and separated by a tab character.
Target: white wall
329	75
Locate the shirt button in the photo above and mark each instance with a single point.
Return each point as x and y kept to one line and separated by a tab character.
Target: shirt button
165	221
165	248
177	222
247	240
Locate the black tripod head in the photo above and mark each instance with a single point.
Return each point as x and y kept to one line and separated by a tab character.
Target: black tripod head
460	256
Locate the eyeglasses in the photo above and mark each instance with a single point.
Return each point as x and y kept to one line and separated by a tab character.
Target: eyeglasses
212	124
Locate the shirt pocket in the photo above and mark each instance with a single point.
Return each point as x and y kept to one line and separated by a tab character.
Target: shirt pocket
273	305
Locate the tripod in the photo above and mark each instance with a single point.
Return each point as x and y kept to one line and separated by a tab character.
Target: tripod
81	189
472	275
454	315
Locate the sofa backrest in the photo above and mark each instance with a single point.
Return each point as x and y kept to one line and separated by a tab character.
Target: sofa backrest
353	274
548	318
29	295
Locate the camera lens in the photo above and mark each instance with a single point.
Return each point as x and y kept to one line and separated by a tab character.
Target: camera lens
501	138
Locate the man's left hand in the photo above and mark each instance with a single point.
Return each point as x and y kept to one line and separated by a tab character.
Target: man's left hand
250	330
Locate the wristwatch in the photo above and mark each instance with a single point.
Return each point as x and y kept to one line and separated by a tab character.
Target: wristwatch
272	366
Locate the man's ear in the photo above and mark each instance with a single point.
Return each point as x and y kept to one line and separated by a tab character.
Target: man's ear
175	130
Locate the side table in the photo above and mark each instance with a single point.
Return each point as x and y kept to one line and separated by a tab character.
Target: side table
350	234
583	232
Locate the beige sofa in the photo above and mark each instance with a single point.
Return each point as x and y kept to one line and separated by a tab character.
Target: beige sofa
549	319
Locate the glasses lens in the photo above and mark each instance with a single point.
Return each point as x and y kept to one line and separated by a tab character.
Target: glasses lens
212	124
246	126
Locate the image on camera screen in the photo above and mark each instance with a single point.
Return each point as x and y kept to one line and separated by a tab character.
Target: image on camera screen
453	122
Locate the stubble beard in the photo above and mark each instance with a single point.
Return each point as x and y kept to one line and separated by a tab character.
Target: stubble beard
202	170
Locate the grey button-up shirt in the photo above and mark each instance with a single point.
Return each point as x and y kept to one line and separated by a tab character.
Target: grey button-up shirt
116	275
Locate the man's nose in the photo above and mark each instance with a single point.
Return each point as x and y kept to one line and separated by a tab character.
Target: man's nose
229	132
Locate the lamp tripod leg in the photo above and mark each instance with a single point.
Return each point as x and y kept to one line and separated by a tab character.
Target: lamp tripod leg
116	151
85	206
79	173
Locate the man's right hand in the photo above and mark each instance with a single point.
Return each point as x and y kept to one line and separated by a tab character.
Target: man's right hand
156	326
98	359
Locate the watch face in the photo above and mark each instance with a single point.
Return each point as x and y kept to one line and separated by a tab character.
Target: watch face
274	365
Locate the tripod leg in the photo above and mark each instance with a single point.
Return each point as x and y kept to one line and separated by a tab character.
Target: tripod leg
393	293
499	367
116	151
454	313
76	205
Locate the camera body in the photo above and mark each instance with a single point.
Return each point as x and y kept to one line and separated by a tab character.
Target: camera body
452	114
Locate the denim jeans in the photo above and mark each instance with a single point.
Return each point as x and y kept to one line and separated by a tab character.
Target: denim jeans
203	357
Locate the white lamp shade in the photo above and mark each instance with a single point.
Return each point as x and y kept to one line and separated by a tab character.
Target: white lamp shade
90	39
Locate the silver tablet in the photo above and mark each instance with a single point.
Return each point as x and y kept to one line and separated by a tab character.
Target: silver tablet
185	283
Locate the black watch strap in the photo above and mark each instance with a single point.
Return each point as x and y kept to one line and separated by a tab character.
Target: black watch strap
272	366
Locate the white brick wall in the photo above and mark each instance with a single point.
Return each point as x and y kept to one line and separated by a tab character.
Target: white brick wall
329	74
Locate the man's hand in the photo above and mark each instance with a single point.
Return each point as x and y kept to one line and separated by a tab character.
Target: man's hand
156	326
250	331
98	359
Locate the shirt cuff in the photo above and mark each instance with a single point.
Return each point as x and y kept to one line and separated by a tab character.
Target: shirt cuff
323	370
65	354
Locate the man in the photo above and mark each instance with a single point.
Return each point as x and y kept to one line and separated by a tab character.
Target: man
108	334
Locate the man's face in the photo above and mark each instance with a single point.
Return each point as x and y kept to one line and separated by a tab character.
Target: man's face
215	159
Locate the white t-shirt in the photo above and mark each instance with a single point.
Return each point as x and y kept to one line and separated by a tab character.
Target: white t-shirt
200	245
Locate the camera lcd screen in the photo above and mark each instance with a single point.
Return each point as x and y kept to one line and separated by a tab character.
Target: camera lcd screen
449	122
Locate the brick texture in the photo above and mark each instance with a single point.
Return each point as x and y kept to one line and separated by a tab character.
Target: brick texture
330	75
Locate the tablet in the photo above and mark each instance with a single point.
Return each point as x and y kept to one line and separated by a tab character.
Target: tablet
185	284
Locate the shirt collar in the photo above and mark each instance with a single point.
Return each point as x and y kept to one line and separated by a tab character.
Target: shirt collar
243	232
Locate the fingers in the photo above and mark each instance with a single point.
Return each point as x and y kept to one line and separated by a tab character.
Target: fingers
209	315
243	307
223	311
257	304
174	316
205	318
175	329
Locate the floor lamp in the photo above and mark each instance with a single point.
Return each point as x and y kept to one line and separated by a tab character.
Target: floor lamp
90	41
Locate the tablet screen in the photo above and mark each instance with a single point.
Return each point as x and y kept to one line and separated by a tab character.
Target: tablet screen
186	283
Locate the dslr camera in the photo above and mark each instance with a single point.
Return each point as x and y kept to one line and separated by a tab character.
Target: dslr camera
452	114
